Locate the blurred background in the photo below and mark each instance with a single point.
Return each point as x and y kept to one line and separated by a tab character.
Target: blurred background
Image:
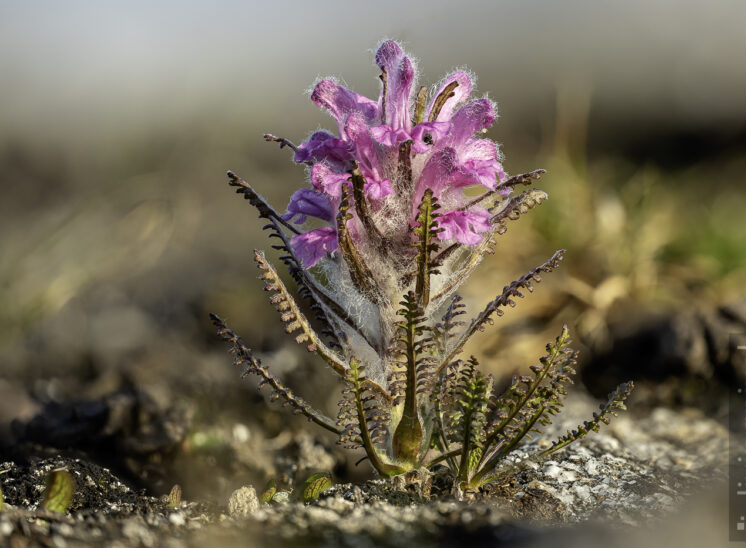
118	233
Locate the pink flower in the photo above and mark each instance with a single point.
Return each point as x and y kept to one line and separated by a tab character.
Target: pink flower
307	202
314	245
371	137
464	226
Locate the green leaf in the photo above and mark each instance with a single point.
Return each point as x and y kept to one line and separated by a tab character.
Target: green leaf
174	496
614	403
269	491
315	485
59	491
2	500
426	244
362	276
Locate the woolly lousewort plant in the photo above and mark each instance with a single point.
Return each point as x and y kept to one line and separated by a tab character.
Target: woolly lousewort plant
394	235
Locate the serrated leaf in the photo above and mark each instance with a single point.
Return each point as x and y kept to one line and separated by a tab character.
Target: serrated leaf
426	232
60	488
315	485
174	496
269	491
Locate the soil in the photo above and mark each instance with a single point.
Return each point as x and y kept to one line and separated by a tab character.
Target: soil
636	474
130	426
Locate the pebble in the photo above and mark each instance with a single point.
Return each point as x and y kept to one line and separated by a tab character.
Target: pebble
177	518
6	528
243	502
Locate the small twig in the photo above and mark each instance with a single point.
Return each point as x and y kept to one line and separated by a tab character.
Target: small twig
265	210
283	142
522	179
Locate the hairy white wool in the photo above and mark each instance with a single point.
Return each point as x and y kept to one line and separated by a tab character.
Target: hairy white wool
363	312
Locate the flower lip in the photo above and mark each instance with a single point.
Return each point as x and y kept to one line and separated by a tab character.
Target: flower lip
308	202
341	102
464	226
322	146
314	245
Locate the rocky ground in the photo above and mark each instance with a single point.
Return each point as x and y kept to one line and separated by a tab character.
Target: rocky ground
135	419
634	478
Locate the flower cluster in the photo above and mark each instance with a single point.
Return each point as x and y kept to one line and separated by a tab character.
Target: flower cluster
399	235
401	145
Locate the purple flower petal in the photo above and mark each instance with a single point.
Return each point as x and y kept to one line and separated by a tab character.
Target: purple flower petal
388	136
439	169
328	181
399	80
435	130
469	119
341	102
325	147
314	245
305	202
378	189
465	226
479	164
366	154
460	94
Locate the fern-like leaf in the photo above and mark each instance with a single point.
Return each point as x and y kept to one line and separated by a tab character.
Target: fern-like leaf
522	179
292	316
509	210
361	275
414	345
363	212
495	306
362	418
443	330
469	416
426	232
529	402
242	356
544	387
265	210
513	208
320	302
615	402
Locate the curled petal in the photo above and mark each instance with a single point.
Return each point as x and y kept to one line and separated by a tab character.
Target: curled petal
460	94
388	136
324	147
326	180
366	152
399	80
314	245
341	102
474	116
428	134
465	226
305	202
478	164
438	171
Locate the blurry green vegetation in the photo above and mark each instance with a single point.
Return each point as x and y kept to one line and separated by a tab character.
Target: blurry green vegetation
59	491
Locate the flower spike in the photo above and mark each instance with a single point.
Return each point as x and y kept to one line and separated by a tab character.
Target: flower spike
404	199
